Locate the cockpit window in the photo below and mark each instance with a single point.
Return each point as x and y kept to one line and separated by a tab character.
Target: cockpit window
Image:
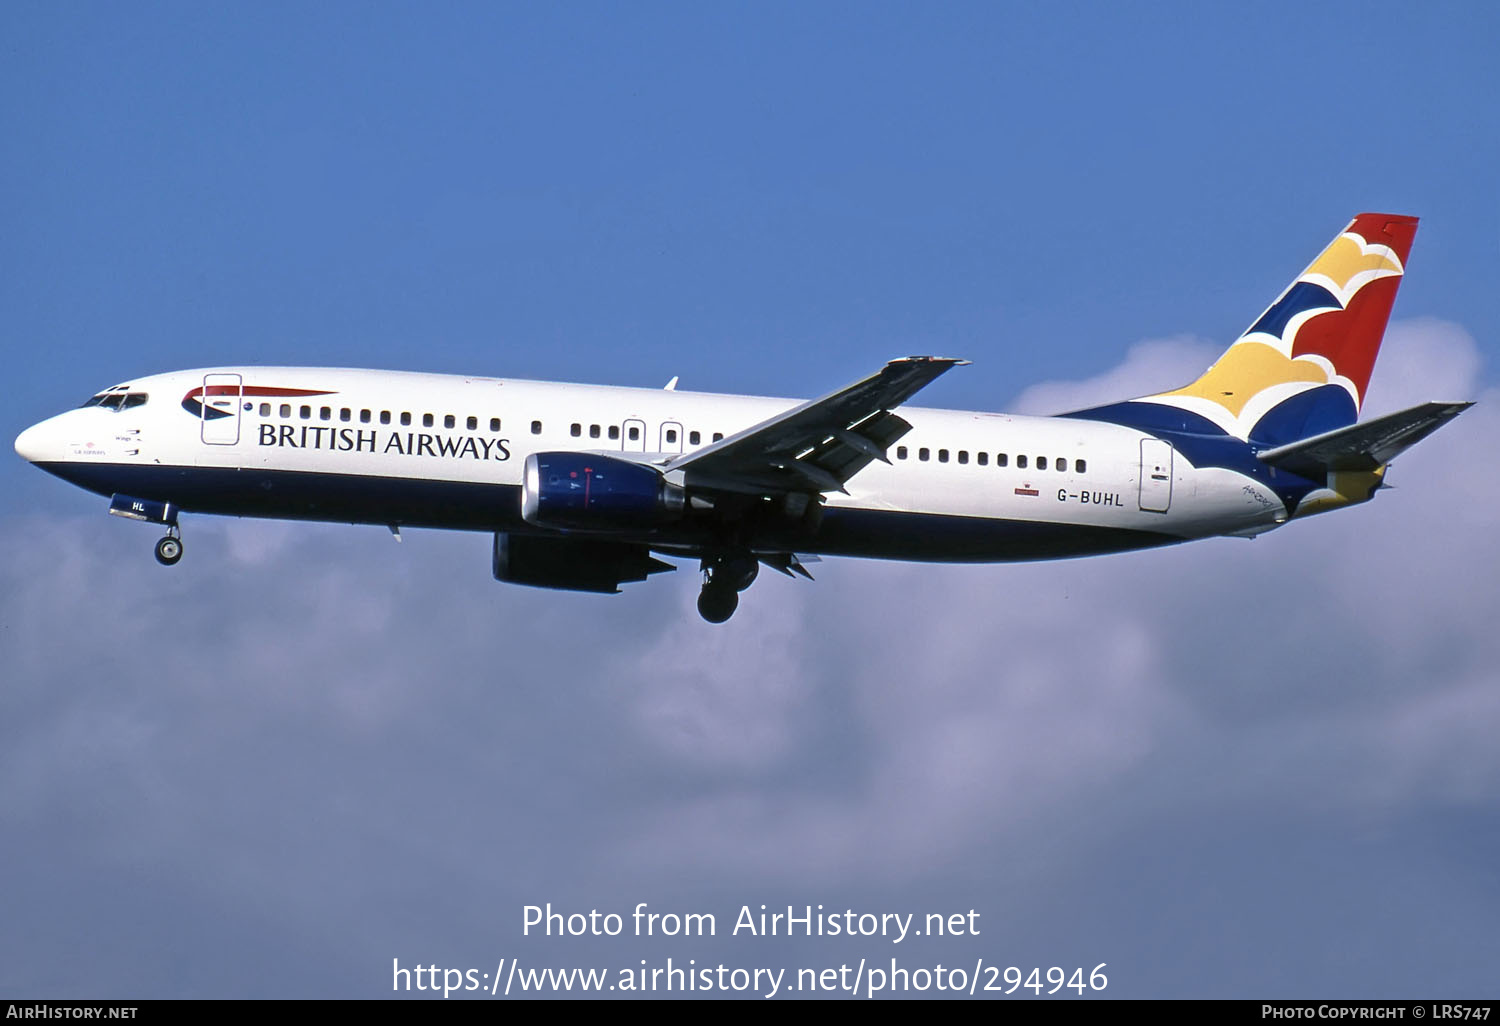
118	401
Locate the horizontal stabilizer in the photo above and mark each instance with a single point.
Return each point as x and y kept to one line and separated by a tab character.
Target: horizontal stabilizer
1366	446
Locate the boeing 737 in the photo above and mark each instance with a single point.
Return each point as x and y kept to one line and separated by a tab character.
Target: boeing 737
584	486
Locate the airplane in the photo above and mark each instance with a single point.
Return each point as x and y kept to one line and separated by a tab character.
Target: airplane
584	486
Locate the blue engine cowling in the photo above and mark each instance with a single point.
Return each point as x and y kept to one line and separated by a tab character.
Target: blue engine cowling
588	492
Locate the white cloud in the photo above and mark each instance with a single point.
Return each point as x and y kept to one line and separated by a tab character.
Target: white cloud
1420	360
1154	365
727	697
297	714
985	696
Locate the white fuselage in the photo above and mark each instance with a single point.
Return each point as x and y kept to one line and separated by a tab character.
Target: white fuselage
447	451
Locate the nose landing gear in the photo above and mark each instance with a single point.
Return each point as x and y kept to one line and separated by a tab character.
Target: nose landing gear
152	511
724	577
169	549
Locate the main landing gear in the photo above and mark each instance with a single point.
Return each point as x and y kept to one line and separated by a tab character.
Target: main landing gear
724	577
169	549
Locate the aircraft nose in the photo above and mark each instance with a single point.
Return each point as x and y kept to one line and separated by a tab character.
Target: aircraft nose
33	444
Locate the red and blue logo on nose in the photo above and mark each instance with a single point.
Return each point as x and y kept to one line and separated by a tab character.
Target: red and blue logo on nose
193	401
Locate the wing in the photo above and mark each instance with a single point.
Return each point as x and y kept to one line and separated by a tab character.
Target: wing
818	446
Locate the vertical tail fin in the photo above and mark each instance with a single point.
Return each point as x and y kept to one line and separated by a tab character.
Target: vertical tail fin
1303	366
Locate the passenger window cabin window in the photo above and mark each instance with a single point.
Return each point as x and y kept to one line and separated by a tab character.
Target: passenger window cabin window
614	432
286	409
1021	462
472	423
576	430
963	456
1002	459
942	455
1061	464
325	413
1041	463
671	436
635	434
427	420
405	419
346	414
1079	466
983	458
536	427
694	438
924	454
593	430
450	421
305	412
265	409
900	452
364	416
718	436
385	416
494	423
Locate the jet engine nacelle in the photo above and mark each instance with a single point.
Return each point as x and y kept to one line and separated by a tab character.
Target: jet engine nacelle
590	492
571	564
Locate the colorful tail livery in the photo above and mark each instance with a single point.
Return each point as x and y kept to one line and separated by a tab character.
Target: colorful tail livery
1302	368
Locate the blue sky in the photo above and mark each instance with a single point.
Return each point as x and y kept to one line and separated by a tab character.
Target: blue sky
1225	770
